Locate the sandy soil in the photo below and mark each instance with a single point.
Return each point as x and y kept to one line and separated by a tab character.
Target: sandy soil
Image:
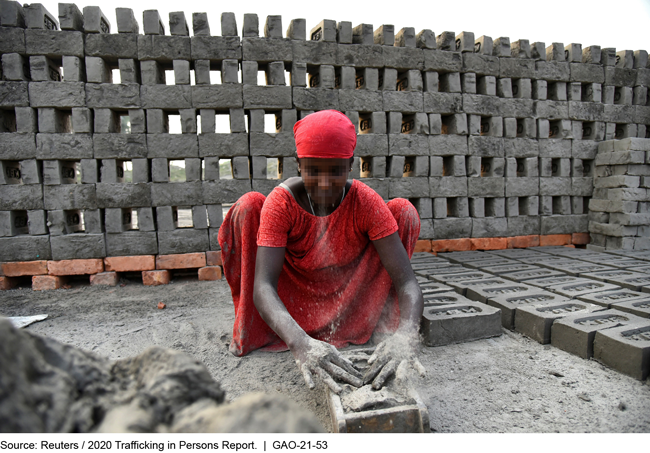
503	384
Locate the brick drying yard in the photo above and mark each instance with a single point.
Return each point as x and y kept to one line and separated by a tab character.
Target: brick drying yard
507	383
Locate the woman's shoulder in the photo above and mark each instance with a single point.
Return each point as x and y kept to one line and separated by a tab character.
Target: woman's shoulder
365	192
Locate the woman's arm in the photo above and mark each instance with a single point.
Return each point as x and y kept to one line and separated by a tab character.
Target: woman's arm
396	261
312	356
401	347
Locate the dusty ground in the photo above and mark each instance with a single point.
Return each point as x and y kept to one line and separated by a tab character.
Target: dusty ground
504	384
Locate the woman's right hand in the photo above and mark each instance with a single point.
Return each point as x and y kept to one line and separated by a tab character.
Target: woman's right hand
323	360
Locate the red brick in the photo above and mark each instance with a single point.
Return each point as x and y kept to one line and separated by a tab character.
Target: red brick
489	243
554	239
8	283
155	278
520	242
22	268
210	273
75	267
580	238
422	245
130	263
451	245
161	305
45	282
105	278
213	258
181	261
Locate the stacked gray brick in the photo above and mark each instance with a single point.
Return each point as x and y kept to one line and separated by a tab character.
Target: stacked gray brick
620	208
486	137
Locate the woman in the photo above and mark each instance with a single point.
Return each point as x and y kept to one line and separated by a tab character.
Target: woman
331	263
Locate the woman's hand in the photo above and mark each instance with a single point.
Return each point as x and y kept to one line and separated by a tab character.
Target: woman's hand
397	351
315	357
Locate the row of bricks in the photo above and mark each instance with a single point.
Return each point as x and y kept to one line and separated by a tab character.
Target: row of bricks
92	20
111	264
607	89
622	106
500	243
157	170
326	32
80	147
149	278
167	218
187	240
156	124
105	195
99	245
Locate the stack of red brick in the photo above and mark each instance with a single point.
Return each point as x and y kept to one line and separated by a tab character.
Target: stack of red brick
105	271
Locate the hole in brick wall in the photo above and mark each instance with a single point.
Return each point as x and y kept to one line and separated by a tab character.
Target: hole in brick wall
273	168
409	167
261	77
446	123
117	77
486	166
515	87
199	129
448	166
620	131
557	205
225	169
587	167
618	95
452	207
125	124
557	91
8	120
554	129
359	79
184	217
170	78
521	129
174	124
366	167
585	204
408	124
647	131
215	77
222	123
134	220
192	77
490	207
521	167
523	206
177	171
313	77
365	123
485	125
65	118
225	207
555	167
19	222
11	172
74	221
402	81
270	123
127	170
587	92
589	130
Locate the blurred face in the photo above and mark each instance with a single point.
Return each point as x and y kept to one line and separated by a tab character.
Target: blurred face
324	179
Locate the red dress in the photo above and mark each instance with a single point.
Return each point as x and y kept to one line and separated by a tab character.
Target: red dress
332	283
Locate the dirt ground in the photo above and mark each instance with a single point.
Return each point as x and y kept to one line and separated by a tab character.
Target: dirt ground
503	384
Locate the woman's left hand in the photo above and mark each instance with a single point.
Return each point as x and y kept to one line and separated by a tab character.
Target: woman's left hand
397	351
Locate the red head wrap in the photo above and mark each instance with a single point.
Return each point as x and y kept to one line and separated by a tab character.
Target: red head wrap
326	134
